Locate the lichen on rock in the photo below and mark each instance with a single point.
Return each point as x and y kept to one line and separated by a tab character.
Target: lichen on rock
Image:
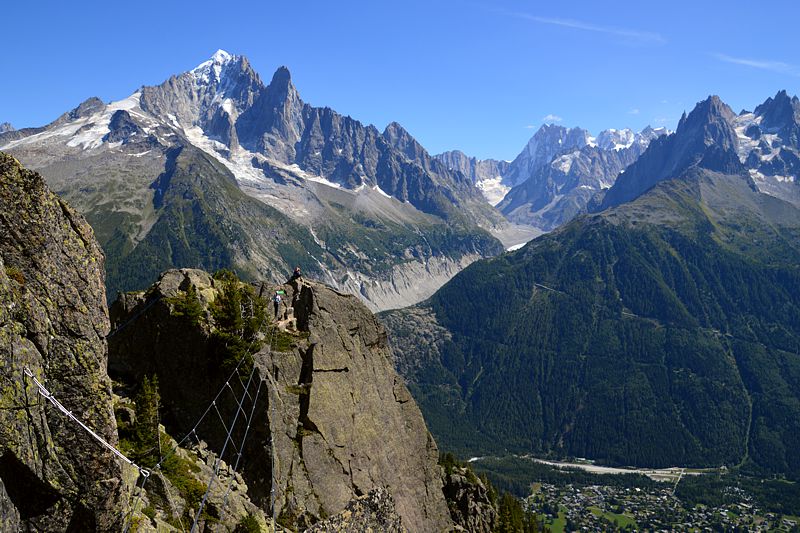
53	321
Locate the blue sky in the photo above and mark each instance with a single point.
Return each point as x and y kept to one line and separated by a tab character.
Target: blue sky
474	76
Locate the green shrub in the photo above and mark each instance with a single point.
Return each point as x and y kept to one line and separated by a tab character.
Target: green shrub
140	439
179	472
145	436
149	512
248	524
282	341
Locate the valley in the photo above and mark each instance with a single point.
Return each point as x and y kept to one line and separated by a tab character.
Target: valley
569	496
672	474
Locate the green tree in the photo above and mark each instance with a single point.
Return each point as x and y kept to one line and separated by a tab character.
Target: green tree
187	304
145	428
239	315
513	518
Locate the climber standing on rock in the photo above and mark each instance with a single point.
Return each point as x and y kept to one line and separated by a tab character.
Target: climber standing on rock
276	302
296	275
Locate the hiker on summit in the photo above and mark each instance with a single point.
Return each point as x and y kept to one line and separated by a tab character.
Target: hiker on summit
296	274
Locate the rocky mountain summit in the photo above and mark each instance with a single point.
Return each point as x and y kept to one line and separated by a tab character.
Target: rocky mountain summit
6	127
706	137
336	421
53	323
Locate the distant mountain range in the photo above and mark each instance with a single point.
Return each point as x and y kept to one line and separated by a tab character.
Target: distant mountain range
562	171
214	168
556	174
661	330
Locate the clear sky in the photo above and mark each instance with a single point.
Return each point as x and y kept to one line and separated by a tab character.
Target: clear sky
475	76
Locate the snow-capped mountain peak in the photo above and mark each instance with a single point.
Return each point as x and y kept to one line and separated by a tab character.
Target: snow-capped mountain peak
561	168
549	140
221	56
211	70
613	139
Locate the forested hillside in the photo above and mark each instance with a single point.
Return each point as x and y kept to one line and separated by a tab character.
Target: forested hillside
655	333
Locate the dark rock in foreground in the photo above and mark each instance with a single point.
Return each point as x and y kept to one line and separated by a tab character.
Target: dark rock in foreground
53	321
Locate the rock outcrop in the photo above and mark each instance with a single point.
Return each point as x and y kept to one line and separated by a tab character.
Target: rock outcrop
53	321
334	420
345	422
372	512
468	499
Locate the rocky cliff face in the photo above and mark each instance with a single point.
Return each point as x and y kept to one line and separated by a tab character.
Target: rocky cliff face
336	420
53	321
472	167
470	504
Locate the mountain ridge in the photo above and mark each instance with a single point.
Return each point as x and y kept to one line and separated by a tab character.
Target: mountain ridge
409	222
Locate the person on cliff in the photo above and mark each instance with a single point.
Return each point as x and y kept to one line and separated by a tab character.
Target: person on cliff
296	275
276	302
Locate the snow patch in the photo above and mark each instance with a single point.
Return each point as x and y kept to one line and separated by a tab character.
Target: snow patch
614	139
493	189
90	134
564	162
317	179
86	132
316	239
381	191
227	106
746	144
